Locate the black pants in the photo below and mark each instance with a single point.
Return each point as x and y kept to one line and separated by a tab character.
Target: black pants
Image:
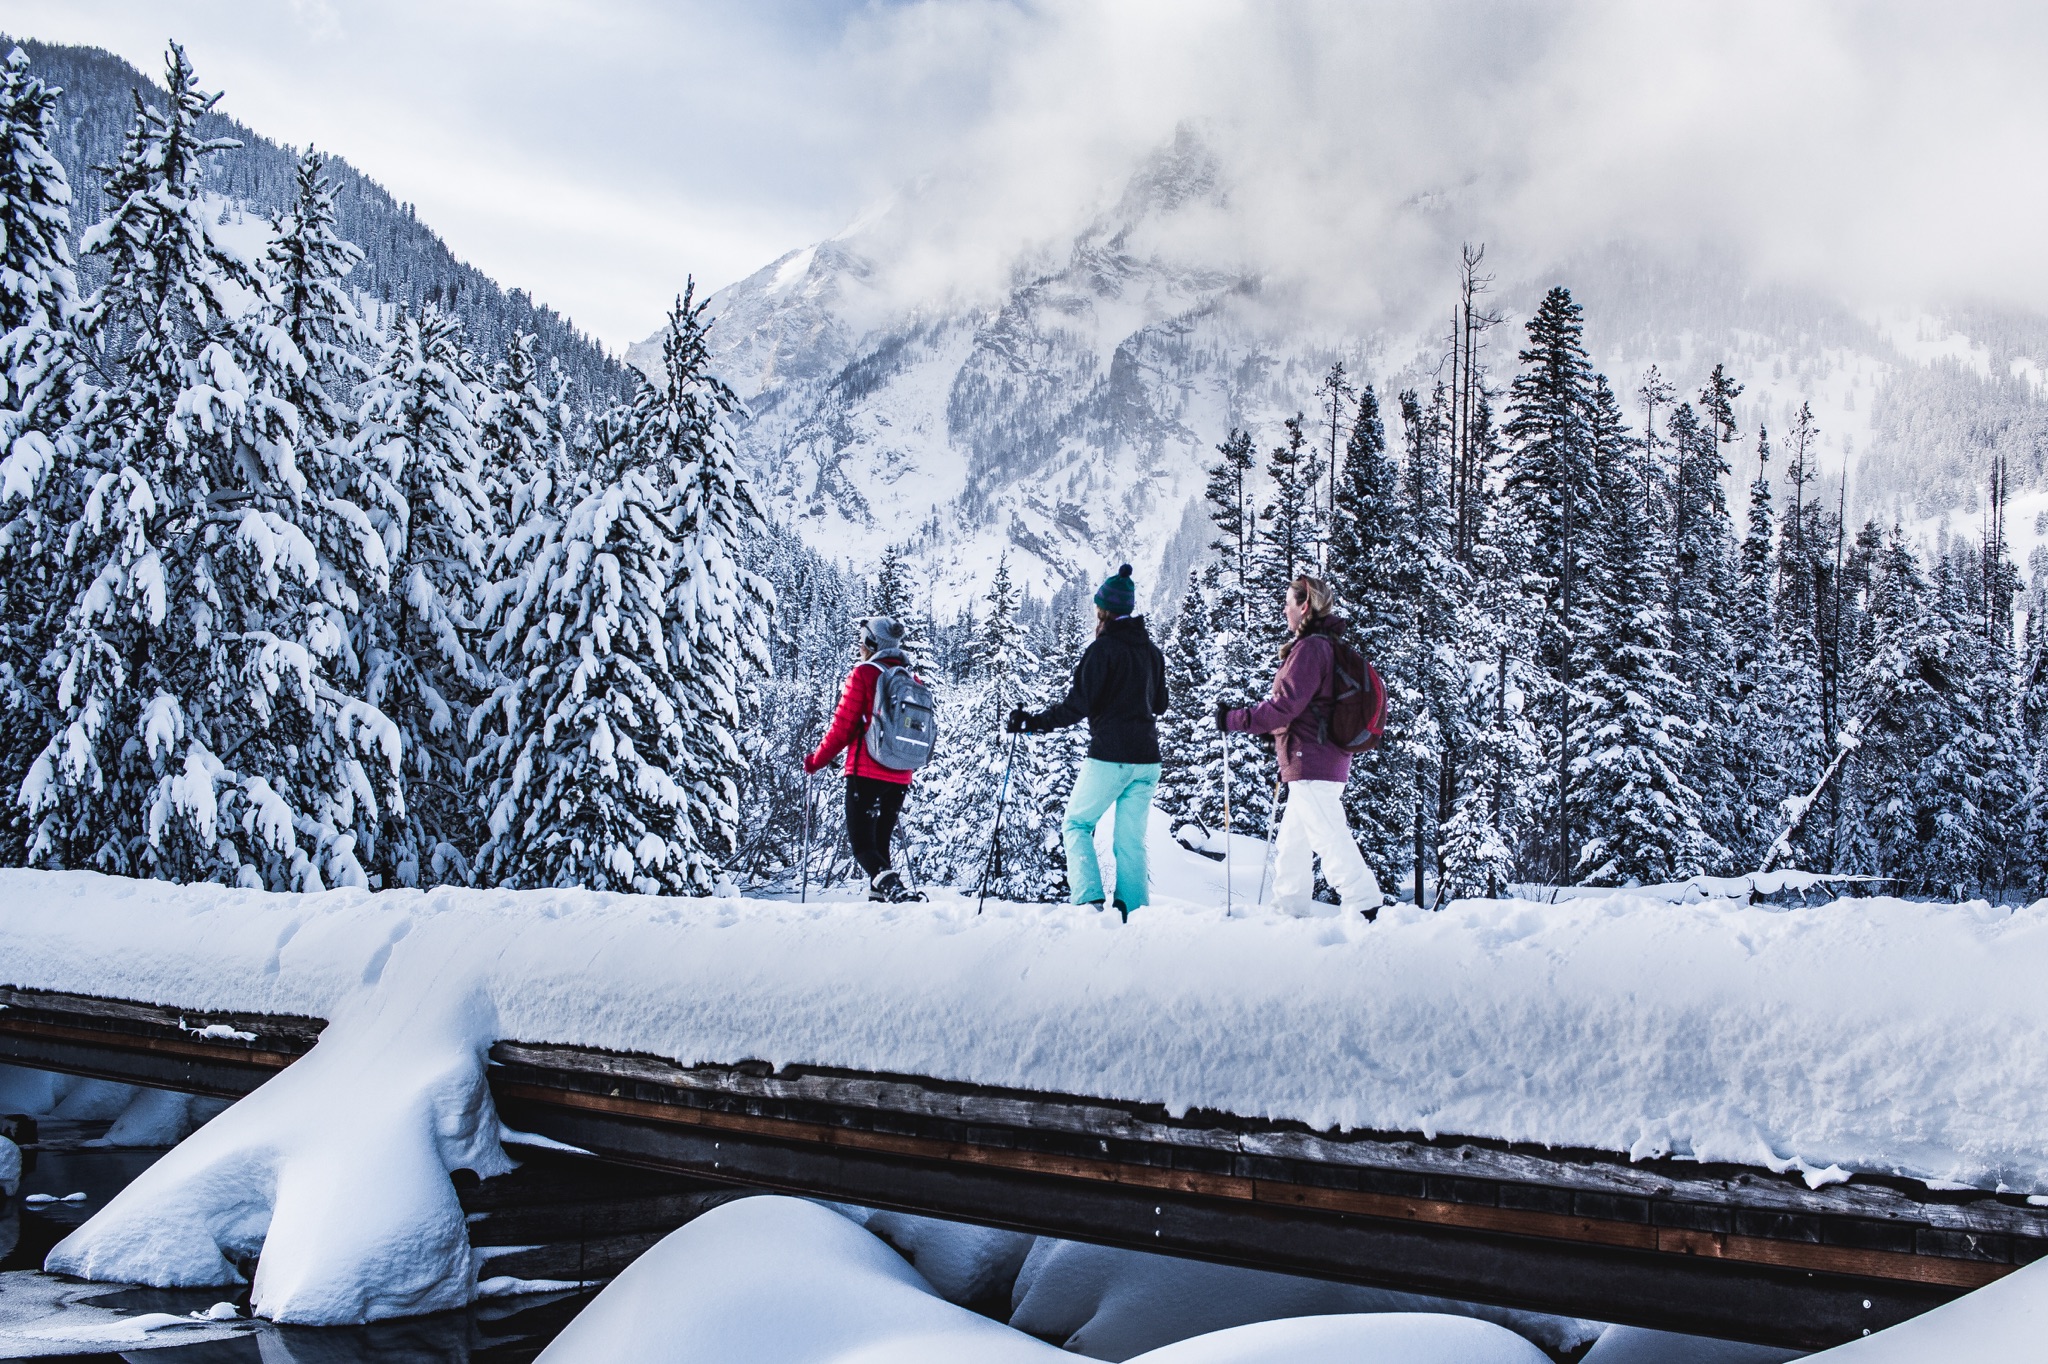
871	809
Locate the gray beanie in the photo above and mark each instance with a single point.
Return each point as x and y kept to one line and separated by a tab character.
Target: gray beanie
885	633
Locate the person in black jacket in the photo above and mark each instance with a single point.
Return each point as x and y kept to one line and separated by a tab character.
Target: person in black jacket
1120	690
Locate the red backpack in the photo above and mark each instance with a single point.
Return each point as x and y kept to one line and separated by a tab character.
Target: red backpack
1357	718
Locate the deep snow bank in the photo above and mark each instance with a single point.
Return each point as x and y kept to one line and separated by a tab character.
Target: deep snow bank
1870	1034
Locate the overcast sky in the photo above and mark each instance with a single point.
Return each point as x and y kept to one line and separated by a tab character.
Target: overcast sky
596	151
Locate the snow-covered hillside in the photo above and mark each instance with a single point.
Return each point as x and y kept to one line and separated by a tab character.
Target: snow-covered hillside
1067	418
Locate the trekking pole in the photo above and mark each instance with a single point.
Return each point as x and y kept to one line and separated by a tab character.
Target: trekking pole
803	896
995	838
1272	822
1226	824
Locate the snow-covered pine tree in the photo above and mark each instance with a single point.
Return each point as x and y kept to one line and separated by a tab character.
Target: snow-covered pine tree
200	632
1426	729
1898	683
41	483
1809	616
811	646
525	429
895	595
1966	790
1043	785
1234	511
1495	808
1188	741
1640	820
583	743
1240	663
1493	813
421	455
719	611
1764	760
1365	536
2031	870
1703	598
1289	528
1338	395
953	816
1549	493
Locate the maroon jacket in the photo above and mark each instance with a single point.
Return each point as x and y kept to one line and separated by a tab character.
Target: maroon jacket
849	728
1302	696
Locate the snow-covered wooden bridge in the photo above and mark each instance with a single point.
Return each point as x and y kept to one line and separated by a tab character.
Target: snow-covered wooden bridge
1738	1253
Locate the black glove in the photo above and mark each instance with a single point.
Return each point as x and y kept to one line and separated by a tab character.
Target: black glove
1223	709
1018	722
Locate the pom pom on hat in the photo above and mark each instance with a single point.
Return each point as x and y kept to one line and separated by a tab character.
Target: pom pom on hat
1118	594
885	633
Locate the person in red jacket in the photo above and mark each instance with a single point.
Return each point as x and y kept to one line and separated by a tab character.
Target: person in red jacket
874	793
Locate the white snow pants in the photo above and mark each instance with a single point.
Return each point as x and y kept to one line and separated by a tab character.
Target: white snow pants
1314	827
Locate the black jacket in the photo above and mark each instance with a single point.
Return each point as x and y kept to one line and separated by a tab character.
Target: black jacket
1119	687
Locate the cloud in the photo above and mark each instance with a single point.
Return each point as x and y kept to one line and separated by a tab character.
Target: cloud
1887	151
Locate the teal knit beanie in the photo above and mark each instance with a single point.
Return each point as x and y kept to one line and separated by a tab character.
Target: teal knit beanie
1119	594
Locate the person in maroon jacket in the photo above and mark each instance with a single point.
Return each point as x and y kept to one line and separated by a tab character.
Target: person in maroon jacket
874	793
1314	769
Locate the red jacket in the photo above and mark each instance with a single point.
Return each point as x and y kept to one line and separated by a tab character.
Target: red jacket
849	729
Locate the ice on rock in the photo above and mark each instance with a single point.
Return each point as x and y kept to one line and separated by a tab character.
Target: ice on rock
10	1168
337	1170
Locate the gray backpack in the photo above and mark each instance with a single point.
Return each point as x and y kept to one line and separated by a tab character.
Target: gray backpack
904	725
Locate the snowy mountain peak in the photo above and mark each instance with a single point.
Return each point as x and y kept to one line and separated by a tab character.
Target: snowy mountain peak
1067	419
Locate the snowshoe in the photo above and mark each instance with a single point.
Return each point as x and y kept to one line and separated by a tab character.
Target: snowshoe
889	887
1195	837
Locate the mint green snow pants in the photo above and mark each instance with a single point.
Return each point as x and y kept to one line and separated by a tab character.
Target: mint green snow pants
1129	787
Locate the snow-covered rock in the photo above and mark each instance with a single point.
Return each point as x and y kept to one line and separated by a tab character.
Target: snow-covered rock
153	1117
782	1281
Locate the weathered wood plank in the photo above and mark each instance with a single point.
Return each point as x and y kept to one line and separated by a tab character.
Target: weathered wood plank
1590	1171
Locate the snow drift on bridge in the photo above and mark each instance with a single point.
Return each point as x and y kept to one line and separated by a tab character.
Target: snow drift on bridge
1865	1035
